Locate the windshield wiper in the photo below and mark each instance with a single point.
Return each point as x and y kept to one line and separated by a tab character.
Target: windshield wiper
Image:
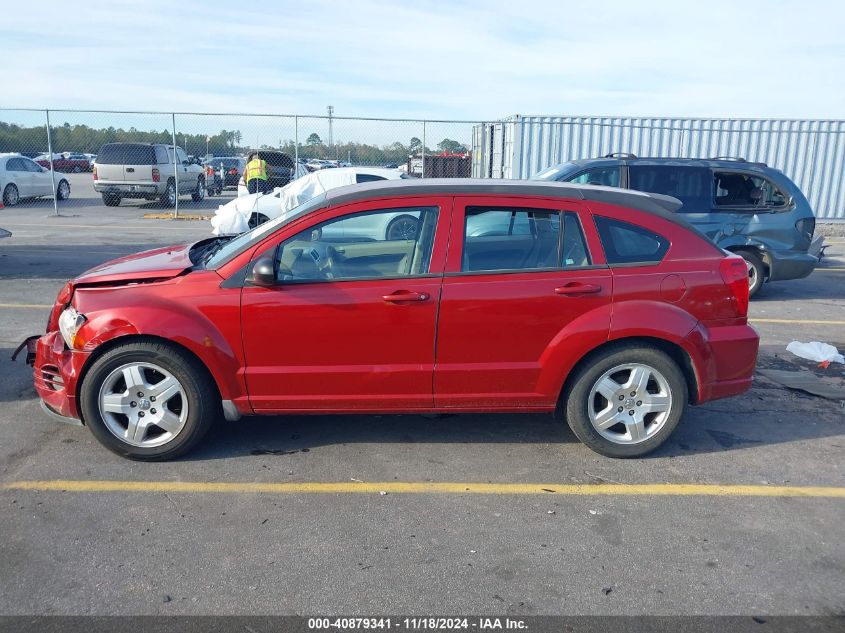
213	248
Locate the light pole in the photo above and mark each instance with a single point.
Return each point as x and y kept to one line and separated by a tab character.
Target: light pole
330	110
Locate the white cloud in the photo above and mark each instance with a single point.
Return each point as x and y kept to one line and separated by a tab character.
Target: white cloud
442	60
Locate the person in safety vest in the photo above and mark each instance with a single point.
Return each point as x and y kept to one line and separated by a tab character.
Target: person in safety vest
256	174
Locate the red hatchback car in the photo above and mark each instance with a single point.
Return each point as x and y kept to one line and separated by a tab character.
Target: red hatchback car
600	304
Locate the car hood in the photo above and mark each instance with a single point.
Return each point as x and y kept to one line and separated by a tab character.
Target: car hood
159	263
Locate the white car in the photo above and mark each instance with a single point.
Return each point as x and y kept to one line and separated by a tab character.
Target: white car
22	178
253	209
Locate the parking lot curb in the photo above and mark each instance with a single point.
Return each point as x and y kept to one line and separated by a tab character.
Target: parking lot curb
181	216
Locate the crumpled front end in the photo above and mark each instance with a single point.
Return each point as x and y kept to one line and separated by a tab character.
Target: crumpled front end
56	373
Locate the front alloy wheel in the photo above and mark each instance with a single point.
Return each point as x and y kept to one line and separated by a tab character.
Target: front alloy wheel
148	400
143	404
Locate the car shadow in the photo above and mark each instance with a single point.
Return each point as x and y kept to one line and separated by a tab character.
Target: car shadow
716	427
736	424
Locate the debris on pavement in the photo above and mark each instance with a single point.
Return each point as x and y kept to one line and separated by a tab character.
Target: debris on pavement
805	381
822	353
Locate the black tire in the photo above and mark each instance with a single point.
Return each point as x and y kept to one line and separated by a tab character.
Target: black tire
198	194
203	401
63	190
400	228
578	401
111	199
756	271
11	196
168	198
257	219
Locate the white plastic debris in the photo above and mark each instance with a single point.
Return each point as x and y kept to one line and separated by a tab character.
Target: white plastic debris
815	351
229	220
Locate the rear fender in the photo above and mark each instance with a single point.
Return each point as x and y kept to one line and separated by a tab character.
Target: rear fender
572	343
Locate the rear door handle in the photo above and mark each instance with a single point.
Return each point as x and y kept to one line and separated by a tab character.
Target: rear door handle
402	296
578	289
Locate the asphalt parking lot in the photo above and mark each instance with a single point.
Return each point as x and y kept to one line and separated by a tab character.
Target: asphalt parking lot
483	513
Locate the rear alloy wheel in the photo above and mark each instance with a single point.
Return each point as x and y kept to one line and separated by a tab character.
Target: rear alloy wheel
405	227
626	401
198	194
148	401
63	190
10	195
168	198
756	271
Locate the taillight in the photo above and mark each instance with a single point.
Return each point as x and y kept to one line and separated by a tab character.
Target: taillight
233	172
94	171
156	175
734	272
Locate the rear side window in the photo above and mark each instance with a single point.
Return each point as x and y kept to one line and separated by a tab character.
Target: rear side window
606	176
522	239
690	185
745	190
161	155
126	154
626	243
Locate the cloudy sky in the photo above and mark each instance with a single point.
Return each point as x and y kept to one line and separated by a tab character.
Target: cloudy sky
460	59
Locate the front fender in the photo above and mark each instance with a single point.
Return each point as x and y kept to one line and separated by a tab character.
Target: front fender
176	319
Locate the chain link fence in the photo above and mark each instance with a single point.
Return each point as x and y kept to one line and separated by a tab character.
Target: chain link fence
215	147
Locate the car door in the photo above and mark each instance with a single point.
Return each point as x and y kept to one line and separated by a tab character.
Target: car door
350	323
41	179
520	281
187	175
20	176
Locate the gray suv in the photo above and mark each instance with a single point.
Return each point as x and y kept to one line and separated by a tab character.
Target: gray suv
748	208
148	171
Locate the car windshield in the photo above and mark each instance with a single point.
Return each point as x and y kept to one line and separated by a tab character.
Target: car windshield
243	241
553	173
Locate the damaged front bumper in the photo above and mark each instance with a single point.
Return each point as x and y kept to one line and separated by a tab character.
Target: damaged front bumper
56	371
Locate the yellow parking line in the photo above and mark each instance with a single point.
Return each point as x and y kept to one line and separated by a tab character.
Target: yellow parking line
394	487
805	321
24	305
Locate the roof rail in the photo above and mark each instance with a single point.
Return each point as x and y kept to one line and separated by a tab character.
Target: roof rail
620	155
736	159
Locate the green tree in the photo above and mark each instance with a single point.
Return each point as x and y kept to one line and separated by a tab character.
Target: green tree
452	147
313	139
415	145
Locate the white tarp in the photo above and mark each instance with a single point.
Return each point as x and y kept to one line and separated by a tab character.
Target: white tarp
233	217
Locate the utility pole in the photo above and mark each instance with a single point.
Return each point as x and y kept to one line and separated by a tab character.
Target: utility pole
330	110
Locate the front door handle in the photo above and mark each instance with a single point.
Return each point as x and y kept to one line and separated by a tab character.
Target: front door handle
402	296
576	288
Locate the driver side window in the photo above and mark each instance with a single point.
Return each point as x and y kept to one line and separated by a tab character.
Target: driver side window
370	245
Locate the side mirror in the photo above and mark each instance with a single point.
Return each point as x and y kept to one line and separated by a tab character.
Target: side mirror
263	273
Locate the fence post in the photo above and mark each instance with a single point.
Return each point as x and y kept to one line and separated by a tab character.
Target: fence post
175	168
296	143
50	154
422	161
